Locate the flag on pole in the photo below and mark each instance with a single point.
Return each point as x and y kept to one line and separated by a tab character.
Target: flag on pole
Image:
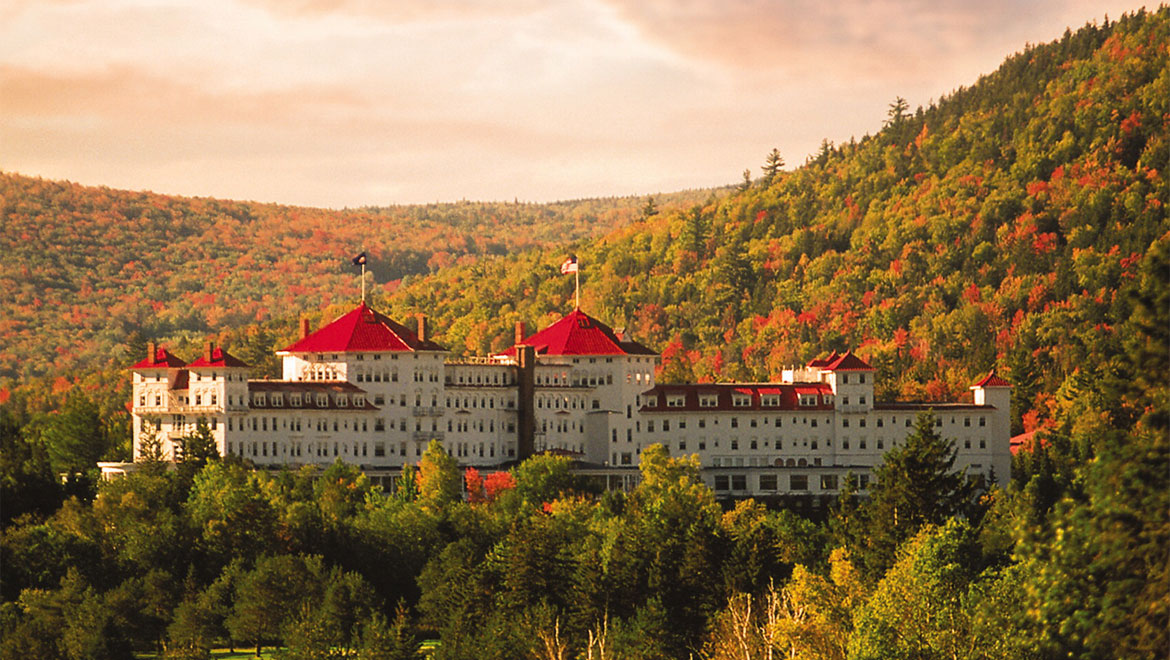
570	266
360	260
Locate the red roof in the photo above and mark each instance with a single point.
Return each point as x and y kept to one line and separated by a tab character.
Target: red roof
824	362
991	380
219	358
848	362
581	334
1026	442
162	360
363	329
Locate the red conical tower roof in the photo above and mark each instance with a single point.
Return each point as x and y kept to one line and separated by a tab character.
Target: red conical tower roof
581	334
362	329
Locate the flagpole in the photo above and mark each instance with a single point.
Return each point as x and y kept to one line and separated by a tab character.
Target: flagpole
577	287
363	281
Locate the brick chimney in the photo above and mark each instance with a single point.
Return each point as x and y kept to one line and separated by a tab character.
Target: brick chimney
151	351
519	333
304	328
207	346
422	327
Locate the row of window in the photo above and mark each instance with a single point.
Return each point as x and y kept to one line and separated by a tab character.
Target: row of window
796	482
739	400
341	399
258	449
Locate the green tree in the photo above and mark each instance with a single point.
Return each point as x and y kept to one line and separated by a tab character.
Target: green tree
74	436
918	610
382	640
192	630
198	447
439	478
916	485
650	209
544	478
27	482
151	458
230	512
772	166
269	596
898	112
746	183
407	490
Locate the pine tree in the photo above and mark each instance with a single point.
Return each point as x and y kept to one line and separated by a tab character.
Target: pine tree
198	447
747	181
916	485
650	209
772	165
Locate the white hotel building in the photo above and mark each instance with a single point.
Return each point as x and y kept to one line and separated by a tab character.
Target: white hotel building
370	391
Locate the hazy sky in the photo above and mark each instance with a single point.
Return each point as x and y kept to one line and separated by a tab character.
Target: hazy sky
354	102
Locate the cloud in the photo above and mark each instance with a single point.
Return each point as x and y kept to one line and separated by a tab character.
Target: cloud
349	102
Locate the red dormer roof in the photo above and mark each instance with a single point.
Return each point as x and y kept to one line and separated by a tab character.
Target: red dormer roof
162	360
363	329
991	380
581	334
219	358
823	362
848	362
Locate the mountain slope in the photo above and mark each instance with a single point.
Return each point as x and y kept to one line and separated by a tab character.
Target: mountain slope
994	229
87	269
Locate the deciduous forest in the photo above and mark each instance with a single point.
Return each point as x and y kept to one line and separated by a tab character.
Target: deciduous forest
1019	223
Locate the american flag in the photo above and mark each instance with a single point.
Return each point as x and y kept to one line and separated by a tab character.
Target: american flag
570	266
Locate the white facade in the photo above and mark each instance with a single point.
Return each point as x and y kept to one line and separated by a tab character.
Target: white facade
380	408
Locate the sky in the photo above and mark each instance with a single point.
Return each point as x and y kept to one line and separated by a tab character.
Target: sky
346	103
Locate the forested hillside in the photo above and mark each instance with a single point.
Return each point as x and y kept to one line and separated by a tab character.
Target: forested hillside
87	270
1020	223
991	229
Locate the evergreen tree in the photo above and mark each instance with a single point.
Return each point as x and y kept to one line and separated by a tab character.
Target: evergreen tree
916	485
650	209
897	112
746	184
75	436
772	166
198	447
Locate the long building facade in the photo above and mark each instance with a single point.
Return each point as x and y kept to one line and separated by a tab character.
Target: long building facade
370	391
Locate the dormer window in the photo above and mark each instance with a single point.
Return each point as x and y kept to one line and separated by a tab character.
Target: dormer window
277	399
342	400
808	399
359	401
741	400
675	400
651	402
294	399
322	400
258	399
771	400
708	400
